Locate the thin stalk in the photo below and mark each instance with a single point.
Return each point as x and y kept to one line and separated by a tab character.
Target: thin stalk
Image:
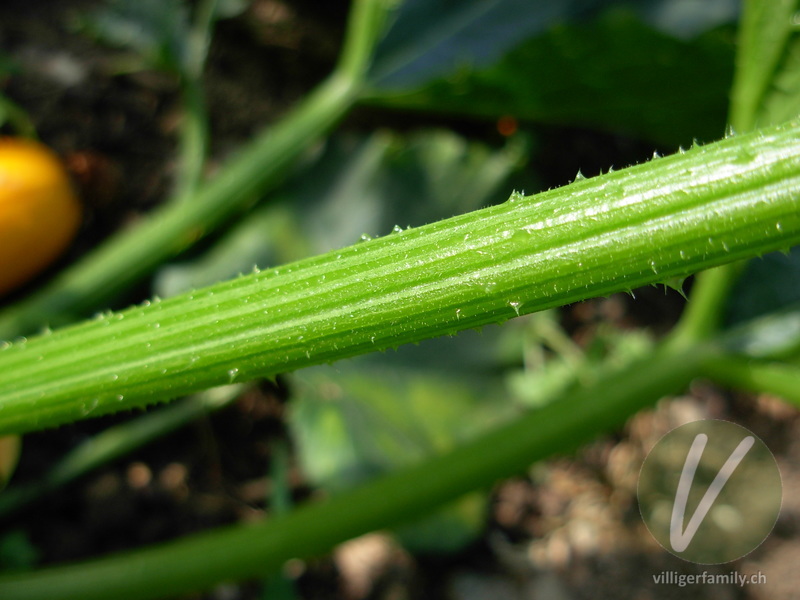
168	231
193	140
115	442
368	23
650	223
764	30
200	37
197	562
757	376
704	313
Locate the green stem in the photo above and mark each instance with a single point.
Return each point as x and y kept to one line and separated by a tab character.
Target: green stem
200	37
367	21
765	29
704	313
166	232
193	141
646	224
243	551
113	443
753	375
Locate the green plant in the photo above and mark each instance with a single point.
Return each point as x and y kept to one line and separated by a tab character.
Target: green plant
652	223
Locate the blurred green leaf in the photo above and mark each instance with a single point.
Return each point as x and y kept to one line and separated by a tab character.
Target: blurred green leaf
686	18
767	285
552	370
783	103
156	30
356	185
433	38
767	86
383	419
355	424
370	186
475	352
774	335
612	73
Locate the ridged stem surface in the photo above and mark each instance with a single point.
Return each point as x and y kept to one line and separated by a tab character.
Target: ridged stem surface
673	216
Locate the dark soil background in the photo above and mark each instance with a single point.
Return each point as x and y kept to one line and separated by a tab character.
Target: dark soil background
569	529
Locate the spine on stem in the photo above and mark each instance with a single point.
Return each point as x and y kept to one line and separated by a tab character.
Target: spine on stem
651	223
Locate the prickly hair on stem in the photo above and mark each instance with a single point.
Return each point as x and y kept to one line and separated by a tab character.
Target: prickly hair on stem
647	224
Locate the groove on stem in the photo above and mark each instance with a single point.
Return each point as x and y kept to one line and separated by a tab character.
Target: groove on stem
649	223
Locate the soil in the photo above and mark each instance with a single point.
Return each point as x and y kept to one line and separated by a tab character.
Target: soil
567	529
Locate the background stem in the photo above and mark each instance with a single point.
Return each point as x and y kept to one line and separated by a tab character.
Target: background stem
114	442
779	379
705	312
166	232
242	551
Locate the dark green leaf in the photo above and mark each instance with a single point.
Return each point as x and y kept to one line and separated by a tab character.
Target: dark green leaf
767	86
767	285
433	38
769	336
783	101
369	186
613	73
156	30
361	423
